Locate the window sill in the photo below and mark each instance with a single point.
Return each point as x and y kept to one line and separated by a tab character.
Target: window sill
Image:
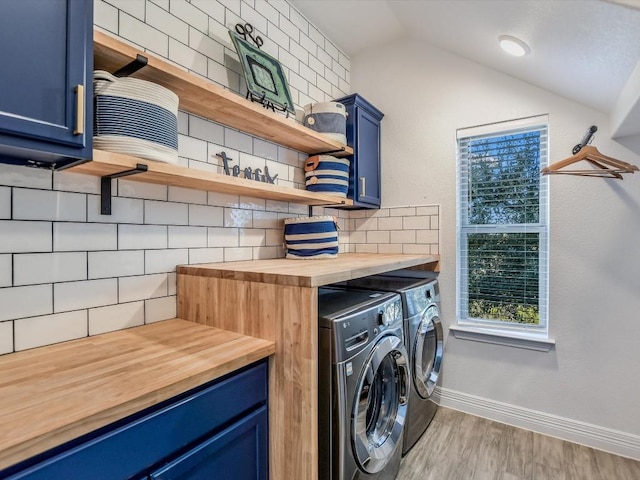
502	337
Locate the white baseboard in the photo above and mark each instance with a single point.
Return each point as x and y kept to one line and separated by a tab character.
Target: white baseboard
613	441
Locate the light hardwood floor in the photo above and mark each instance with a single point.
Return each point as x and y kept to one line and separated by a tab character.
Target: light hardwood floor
457	446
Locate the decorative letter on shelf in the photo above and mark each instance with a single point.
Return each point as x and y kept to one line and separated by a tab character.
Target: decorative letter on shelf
249	173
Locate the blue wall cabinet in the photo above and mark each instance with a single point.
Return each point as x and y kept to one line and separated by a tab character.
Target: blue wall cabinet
46	90
363	135
215	432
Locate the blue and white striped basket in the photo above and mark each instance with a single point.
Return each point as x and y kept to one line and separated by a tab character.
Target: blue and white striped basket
135	117
327	174
311	237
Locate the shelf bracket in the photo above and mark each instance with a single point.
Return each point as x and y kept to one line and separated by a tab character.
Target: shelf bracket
105	186
329	152
132	67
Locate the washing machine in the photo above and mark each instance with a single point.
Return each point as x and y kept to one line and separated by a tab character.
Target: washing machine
423	341
363	384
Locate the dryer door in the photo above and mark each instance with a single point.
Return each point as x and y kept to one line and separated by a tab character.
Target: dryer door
380	405
427	352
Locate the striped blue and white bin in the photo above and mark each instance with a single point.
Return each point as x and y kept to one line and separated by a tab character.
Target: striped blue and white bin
311	237
327	174
135	117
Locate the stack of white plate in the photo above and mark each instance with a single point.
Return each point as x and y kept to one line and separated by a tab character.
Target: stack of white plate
135	117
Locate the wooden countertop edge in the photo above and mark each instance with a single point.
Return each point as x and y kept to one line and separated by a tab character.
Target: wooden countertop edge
22	450
275	272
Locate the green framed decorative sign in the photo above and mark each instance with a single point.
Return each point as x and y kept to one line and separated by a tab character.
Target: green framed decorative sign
264	76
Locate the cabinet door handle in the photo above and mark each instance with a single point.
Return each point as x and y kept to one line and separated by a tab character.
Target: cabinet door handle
79	130
363	186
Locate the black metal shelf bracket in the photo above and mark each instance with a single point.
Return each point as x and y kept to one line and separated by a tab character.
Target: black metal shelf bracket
132	67
329	152
105	186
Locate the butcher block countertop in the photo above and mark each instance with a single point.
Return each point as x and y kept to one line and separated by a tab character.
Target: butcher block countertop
53	394
309	273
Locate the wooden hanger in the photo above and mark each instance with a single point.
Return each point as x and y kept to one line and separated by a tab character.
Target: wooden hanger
606	166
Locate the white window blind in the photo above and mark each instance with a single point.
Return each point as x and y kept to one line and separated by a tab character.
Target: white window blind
502	225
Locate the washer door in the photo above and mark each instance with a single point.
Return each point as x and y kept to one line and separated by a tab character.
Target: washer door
380	405
427	352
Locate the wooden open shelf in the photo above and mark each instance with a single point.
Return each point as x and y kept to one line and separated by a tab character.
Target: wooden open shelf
206	99
108	163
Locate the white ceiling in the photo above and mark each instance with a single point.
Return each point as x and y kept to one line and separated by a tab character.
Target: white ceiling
584	50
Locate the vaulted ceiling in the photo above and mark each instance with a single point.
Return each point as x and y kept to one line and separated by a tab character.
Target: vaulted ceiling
585	50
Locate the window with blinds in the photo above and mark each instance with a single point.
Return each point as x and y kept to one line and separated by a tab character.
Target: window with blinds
502	225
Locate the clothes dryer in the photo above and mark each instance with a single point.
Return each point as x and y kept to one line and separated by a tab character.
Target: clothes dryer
363	384
423	340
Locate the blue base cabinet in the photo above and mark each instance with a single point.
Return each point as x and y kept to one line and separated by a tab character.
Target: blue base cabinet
46	90
218	431
363	135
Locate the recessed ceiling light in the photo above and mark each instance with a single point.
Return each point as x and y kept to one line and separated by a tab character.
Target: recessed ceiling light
513	46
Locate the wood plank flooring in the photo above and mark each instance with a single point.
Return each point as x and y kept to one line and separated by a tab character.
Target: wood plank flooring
458	446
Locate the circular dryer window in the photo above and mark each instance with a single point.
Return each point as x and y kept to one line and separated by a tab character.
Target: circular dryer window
427	352
380	405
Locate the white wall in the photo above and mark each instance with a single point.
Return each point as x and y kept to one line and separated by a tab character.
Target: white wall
591	375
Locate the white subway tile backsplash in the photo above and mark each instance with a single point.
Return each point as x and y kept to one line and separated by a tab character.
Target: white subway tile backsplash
162	20
287	60
150	191
276	206
161	261
416	249
105	16
238	141
31	204
402	212
123	210
310	46
268	11
172	283
205	255
165	213
309	75
84	294
183	123
205	215
427	236
428	210
206	130
366	248
6	337
390	248
115	264
416	223
132	7
222	199
298	20
187	57
19	176
251	16
251	237
187	237
144	35
263	253
223	76
84	237
192	148
223	237
290	29
282	6
264	149
238	254
206	45
18	236
5	270
158	309
115	317
265	220
187	195
5	203
77	182
48	329
211	8
161	3
274	34
408	236
331	49
19	302
142	287
34	268
220	33
274	237
316	94
190	14
317	37
378	236
238	217
137	237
